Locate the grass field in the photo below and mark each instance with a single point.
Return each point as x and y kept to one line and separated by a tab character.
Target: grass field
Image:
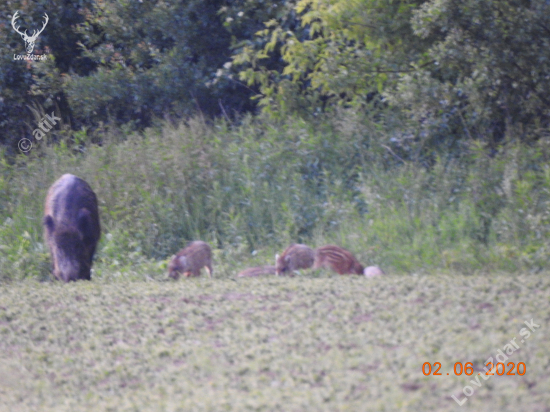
461	224
324	343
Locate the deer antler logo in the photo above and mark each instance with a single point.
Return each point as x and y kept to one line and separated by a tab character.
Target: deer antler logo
29	40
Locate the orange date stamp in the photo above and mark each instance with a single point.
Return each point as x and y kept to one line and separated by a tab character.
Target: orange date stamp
468	369
501	368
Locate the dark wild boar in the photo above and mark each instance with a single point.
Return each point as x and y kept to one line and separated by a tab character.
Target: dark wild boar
71	227
337	259
189	261
296	256
257	271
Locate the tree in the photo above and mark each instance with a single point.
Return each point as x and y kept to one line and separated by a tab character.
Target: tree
490	68
155	59
25	84
344	53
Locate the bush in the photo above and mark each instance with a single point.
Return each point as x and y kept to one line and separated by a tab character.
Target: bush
488	74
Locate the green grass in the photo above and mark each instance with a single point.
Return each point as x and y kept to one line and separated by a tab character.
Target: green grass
132	341
324	343
253	188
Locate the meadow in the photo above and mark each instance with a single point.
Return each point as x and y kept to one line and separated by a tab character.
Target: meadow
313	342
252	188
415	134
464	238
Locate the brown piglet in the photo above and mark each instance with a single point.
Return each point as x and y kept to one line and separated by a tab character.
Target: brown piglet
189	261
71	227
257	271
296	256
337	259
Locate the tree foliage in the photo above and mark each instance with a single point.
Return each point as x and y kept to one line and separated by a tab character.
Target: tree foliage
344	52
155	59
116	62
490	69
453	69
31	84
456	68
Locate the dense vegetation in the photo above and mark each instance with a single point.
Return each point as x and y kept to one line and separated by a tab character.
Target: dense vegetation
454	69
253	189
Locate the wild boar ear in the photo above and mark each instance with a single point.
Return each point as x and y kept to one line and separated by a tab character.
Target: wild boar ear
84	222
48	222
182	260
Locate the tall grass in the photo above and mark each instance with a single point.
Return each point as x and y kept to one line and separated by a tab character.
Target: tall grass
252	189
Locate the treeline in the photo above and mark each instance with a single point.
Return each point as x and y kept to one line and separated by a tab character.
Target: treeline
447	71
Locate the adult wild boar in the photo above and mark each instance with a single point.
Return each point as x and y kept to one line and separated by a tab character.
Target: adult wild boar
71	227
